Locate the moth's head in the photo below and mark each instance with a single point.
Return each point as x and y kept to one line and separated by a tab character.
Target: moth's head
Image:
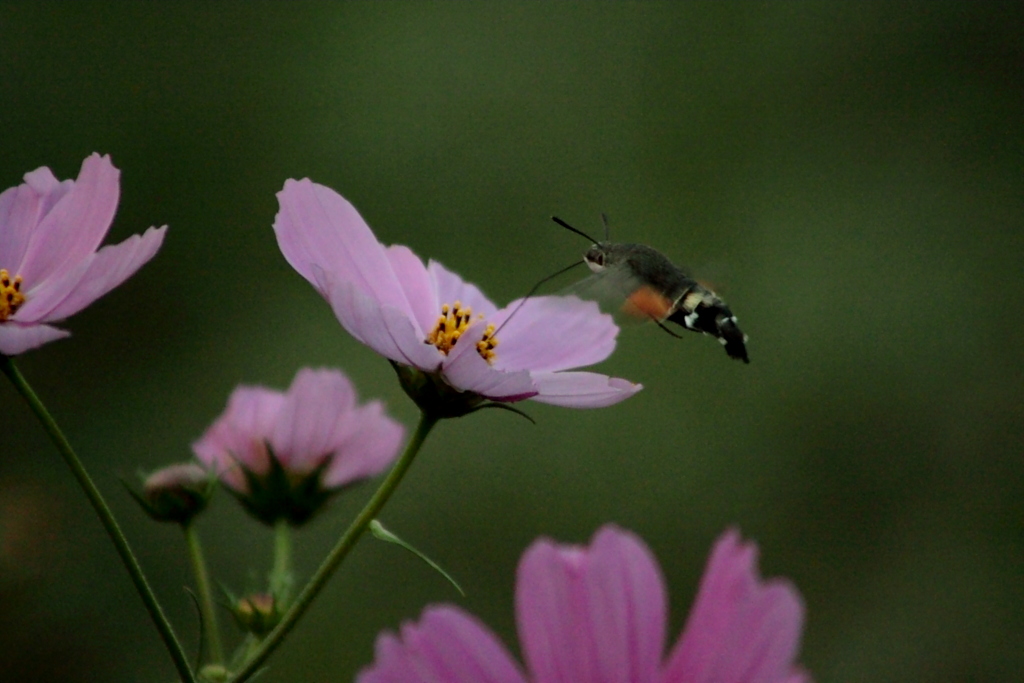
596	258
605	255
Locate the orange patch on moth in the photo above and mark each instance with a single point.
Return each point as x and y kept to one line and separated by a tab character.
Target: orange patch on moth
645	302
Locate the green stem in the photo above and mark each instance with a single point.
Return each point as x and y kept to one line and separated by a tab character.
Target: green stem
281	575
214	649
117	537
340	550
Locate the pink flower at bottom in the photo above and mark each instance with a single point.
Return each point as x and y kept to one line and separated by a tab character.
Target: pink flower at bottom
598	614
49	264
428	318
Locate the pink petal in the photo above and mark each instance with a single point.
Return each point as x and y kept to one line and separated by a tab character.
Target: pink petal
446	646
238	436
47	187
465	369
740	628
451	288
594	614
16	338
369	450
75	226
766	636
45	184
302	437
418	286
582	389
317	227
20	208
67	293
386	330
549	333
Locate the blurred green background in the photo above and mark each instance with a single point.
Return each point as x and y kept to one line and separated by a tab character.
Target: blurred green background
850	176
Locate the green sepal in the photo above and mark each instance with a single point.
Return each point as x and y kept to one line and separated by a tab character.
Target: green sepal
277	494
433	395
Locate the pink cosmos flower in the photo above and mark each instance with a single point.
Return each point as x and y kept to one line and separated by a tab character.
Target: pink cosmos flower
598	614
284	453
49	266
427	317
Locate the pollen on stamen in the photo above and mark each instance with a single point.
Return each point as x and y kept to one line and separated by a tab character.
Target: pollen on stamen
453	321
11	297
450	325
485	347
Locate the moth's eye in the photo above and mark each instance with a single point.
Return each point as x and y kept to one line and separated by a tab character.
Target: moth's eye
599	259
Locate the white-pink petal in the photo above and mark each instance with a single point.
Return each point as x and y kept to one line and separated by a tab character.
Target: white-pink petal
20	208
386	330
318	227
15	338
446	646
68	293
550	333
45	184
582	389
449	288
73	229
466	369
417	284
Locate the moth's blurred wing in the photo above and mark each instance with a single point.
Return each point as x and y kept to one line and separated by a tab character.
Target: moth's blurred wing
625	296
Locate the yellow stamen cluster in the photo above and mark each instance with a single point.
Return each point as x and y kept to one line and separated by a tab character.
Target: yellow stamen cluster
11	297
452	322
485	347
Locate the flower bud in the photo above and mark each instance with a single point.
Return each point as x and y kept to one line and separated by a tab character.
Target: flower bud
176	493
258	613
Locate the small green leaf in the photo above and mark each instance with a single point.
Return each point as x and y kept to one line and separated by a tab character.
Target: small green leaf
378	530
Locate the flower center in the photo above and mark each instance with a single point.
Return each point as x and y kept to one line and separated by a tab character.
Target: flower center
11	297
452	322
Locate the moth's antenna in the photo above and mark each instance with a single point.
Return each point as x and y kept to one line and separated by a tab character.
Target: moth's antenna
607	232
569	227
535	288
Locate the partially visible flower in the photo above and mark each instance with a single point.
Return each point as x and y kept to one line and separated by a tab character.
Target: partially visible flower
599	614
49	266
176	493
428	319
284	454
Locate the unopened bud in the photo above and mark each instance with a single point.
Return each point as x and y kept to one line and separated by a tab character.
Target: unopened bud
176	493
258	613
